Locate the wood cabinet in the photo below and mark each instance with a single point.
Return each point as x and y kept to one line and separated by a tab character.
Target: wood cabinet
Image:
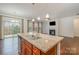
26	47
36	51
23	48
51	51
29	49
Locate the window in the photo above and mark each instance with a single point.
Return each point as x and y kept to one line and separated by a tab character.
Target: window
34	26
11	26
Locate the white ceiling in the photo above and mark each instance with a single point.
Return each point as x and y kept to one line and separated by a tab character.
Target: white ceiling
40	9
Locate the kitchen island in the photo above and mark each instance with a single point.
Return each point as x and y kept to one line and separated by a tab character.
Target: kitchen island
39	44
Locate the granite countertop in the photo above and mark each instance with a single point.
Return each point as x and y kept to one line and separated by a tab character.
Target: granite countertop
42	41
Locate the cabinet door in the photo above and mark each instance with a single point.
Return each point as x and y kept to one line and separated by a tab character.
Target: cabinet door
26	48
22	48
28	51
36	51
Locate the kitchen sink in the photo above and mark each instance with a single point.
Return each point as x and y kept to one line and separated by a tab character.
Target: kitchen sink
33	37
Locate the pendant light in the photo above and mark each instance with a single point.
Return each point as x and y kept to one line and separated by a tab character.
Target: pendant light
38	18
47	16
33	20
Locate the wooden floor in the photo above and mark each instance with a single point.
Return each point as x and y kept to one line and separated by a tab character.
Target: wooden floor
69	46
9	46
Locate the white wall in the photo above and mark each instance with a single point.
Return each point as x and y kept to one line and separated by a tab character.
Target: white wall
76	27
47	27
66	27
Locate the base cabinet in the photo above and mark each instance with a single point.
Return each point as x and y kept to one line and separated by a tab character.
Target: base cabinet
29	49
25	48
52	51
36	51
22	49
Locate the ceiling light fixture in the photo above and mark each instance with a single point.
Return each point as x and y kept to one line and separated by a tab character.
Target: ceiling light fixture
38	18
47	16
33	19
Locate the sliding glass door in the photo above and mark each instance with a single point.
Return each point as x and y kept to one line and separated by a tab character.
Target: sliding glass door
11	27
